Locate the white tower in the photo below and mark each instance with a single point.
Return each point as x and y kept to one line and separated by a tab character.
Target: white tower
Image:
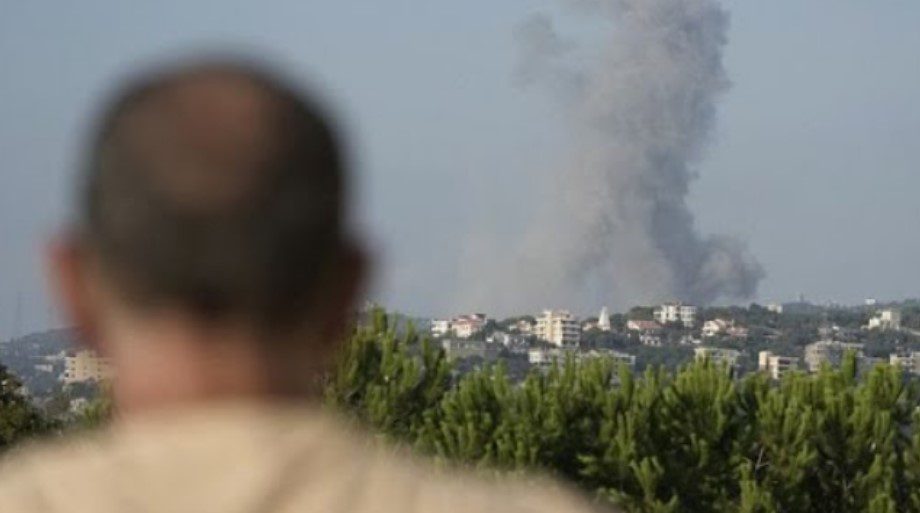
603	320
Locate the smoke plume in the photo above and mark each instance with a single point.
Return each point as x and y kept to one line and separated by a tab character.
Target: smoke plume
641	108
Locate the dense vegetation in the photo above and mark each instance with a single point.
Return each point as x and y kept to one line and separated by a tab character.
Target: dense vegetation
19	419
694	440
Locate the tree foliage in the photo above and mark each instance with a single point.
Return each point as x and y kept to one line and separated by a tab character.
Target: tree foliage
19	419
692	440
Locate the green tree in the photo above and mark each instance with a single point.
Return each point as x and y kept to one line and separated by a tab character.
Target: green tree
19	419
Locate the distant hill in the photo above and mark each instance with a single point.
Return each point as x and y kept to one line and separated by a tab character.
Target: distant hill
35	358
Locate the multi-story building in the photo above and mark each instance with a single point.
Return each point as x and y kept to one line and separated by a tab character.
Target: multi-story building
461	349
726	327
466	326
676	312
776	308
543	357
643	326
776	365
86	365
463	326
558	327
524	326
440	327
829	352
718	355
909	362
888	319
651	339
715	327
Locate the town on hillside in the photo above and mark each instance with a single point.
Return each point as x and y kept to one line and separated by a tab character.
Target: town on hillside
774	339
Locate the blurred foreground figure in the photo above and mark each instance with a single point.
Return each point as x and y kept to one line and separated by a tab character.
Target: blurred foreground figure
211	263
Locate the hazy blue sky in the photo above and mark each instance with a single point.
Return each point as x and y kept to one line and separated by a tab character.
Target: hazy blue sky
815	162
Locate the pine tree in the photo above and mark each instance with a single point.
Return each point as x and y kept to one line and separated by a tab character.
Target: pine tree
693	440
19	419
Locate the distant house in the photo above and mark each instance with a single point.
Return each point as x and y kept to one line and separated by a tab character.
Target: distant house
909	362
714	327
466	326
676	313
463	326
829	352
650	339
462	349
544	357
558	327
776	308
888	319
440	327
643	326
86	365
727	327
718	355
776	366
507	339
523	326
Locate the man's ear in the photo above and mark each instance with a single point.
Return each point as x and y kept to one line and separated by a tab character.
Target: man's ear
69	277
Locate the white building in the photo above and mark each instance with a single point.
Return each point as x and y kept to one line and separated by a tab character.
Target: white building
547	356
85	366
523	326
676	312
440	327
775	365
888	319
544	357
650	339
718	355
466	326
829	352
643	326
776	308
463	326
603	320
558	327
726	327
909	362
460	349
715	327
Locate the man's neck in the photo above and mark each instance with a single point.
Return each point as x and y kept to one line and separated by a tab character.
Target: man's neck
170	363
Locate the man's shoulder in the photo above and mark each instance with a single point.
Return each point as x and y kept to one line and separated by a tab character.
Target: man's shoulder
26	470
461	491
314	463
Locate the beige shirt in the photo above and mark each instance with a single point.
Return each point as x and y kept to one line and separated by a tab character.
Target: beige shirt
249	459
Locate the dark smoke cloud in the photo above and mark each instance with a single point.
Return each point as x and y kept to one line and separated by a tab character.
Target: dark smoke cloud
619	229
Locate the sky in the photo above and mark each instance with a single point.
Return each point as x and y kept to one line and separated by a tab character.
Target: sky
815	162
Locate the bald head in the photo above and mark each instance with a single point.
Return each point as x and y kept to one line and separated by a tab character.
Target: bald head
217	189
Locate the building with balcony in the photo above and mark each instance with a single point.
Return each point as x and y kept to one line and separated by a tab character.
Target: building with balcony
776	366
558	327
829	352
718	355
83	366
676	313
888	319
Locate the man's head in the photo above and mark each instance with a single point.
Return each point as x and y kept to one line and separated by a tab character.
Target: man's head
213	194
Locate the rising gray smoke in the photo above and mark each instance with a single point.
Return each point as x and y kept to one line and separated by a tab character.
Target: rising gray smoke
641	111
